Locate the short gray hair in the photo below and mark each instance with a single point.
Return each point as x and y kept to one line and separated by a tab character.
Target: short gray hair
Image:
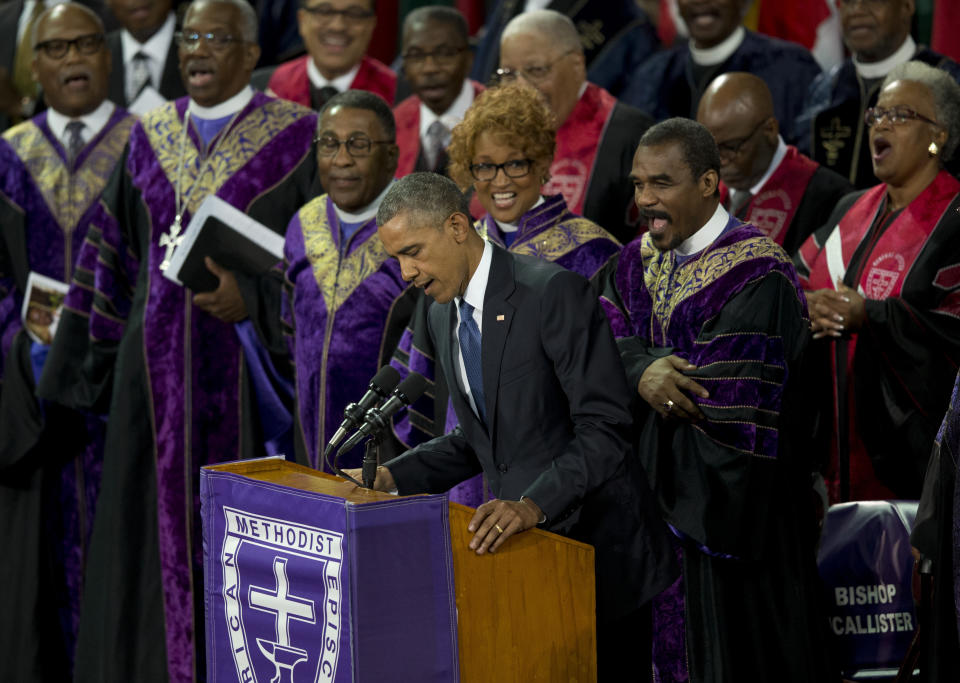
250	26
430	196
549	23
946	98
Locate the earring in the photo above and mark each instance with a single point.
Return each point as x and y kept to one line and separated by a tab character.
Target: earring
933	149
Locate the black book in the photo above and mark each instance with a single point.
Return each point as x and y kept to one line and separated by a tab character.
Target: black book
229	237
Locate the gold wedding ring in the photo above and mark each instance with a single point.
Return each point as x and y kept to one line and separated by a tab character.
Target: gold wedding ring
497	527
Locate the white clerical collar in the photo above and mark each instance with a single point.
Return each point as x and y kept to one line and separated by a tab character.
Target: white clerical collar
453	115
226	108
531	5
156	47
364	214
93	122
341	83
513	227
477	286
778	157
711	56
705	236
872	70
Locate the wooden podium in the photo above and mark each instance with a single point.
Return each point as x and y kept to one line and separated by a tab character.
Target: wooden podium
525	613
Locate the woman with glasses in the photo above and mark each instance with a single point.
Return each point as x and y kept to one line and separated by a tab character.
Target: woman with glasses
502	149
883	287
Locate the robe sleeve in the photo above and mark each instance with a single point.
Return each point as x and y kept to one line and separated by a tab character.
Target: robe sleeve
13	271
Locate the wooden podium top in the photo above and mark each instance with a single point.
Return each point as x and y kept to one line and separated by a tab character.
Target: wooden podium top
526	613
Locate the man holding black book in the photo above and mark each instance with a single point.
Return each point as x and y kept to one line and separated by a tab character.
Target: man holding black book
168	361
341	283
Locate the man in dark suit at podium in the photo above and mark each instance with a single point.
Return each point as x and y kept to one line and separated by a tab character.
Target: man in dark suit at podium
543	407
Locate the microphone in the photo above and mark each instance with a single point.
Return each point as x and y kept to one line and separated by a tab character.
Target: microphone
380	387
377	419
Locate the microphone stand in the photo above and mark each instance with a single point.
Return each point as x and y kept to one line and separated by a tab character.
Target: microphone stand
371	459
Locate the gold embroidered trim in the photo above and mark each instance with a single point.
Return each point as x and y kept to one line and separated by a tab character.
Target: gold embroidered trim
68	195
337	279
245	140
668	292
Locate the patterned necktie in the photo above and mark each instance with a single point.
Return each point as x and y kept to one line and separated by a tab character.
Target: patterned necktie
22	72
74	140
438	137
469	336
139	76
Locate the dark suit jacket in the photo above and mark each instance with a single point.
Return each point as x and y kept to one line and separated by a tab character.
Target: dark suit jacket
559	428
171	85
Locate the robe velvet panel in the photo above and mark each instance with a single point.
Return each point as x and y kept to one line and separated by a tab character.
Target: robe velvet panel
48	205
194	364
337	305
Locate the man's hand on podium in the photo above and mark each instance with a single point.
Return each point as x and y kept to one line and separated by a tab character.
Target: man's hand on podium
384	481
497	520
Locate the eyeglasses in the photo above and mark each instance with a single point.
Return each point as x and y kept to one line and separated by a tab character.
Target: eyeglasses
515	168
534	74
444	55
729	149
357	145
895	115
190	40
326	13
86	45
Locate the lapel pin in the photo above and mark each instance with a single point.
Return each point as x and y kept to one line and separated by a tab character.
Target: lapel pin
500	318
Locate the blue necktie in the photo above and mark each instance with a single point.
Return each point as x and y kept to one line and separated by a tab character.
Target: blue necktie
469	335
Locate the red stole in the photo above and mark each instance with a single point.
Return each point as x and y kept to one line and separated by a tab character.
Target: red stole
883	270
772	209
290	81
577	142
407	116
881	275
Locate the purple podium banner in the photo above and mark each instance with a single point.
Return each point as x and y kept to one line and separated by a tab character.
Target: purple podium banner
304	587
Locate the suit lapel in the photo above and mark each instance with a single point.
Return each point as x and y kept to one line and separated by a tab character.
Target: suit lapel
171	83
497	317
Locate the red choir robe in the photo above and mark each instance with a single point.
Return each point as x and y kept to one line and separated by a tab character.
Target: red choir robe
290	80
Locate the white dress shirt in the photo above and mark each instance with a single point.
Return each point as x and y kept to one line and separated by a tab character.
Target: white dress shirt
452	116
474	293
155	49
93	122
706	235
341	83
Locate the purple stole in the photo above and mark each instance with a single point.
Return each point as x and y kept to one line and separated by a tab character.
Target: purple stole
194	362
667	304
550	232
57	201
337	305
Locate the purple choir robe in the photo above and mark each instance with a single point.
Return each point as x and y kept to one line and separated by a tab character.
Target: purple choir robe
734	487
174	376
50	458
549	231
337	302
